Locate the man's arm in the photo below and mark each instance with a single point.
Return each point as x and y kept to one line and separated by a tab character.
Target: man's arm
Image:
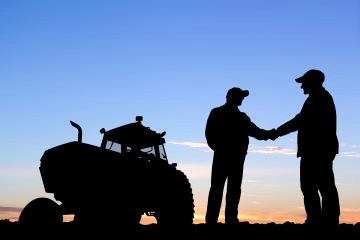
288	127
210	130
261	134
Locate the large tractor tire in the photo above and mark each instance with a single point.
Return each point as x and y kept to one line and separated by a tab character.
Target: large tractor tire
41	211
177	203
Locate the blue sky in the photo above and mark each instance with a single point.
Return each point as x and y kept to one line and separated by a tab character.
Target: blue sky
101	63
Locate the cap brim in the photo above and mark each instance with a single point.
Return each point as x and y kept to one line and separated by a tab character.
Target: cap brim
300	79
304	79
245	93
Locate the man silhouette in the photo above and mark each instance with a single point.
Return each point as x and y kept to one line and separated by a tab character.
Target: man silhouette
227	133
317	147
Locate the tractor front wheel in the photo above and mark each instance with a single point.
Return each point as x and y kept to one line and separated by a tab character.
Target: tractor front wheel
41	211
177	203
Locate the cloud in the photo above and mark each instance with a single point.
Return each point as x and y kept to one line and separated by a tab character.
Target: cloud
351	210
9	209
297	215
348	215
350	154
191	144
252	149
251	181
272	150
11	213
351	150
268	172
354	146
263	150
260	217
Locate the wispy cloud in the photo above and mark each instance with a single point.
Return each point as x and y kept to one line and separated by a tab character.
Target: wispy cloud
191	144
264	150
350	215
252	149
272	150
251	181
349	150
260	217
346	145
267	172
11	213
297	215
9	209
351	210
350	154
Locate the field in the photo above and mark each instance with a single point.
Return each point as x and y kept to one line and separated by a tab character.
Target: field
242	230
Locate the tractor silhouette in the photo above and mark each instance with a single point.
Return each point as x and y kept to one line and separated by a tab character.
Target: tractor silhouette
127	176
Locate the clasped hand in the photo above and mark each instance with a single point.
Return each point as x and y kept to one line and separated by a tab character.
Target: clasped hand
272	134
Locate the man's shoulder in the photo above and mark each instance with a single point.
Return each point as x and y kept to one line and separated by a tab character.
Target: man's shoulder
244	115
219	109
325	96
223	108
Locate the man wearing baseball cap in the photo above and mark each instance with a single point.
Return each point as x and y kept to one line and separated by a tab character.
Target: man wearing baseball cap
317	147
227	133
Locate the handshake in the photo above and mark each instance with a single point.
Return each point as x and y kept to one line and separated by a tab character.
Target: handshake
272	134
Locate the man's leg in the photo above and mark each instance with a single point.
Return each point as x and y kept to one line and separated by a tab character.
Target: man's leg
218	178
233	192
309	188
330	198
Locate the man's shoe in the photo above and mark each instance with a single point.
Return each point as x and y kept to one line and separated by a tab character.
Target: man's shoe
211	222
312	221
330	222
232	221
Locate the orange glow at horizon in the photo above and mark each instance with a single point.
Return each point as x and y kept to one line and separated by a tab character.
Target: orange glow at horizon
262	218
348	216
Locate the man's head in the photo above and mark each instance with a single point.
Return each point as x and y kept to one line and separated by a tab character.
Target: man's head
236	95
311	80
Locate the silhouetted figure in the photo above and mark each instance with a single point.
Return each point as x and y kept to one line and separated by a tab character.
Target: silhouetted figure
317	147
227	133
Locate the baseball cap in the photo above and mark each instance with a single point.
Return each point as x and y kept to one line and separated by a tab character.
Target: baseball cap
237	92
313	75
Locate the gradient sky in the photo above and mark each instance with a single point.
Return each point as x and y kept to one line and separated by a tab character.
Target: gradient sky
101	63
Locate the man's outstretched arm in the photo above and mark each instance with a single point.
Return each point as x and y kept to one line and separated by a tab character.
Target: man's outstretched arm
288	127
261	134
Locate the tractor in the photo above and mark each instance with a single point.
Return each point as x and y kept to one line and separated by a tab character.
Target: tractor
127	176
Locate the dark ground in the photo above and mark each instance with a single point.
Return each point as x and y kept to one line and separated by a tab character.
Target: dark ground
242	230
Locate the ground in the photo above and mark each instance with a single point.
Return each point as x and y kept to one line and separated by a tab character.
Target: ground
242	230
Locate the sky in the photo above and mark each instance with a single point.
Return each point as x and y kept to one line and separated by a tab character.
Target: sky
101	63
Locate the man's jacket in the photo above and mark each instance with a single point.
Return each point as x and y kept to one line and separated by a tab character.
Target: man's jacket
316	126
229	129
